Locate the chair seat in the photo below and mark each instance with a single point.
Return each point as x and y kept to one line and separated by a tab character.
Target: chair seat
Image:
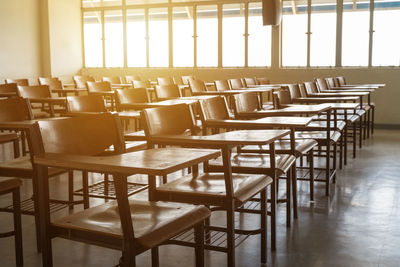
319	135
135	136
22	167
38	114
8	137
268	106
210	188
255	163
340	124
153	222
7	184
302	146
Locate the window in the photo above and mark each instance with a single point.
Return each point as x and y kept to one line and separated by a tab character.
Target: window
207	36
158	37
93	39
136	38
113	32
182	21
386	42
294	34
100	3
259	40
323	33
233	35
355	33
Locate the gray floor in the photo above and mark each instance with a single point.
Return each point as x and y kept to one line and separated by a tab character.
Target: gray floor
359	225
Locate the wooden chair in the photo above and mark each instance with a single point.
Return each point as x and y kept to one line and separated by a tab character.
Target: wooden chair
222	85
164	92
53	83
18	110
81	80
165	81
86	103
131	78
186	79
12	185
236	84
125	98
131	226
104	89
112	79
244	108
41	110
341	80
331	81
197	86
22	82
262	80
8	90
141	84
250	81
225	191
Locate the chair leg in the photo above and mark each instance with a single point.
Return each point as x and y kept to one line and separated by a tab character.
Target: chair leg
373	120
85	189
230	231
368	122
288	197
17	228
71	189
199	248
341	152
16	148
327	168
264	230
294	190
354	139
155	257
273	213
311	160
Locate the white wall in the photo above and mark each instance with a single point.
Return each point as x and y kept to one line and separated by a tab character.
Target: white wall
20	41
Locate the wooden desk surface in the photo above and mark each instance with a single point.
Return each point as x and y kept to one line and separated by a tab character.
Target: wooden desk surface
263	123
325	99
340	94
348	90
234	138
343	105
52	100
160	161
129	114
8	94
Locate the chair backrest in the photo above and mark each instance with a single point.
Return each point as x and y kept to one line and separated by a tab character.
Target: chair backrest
22	82
294	90
82	135
236	84
9	88
131	96
250	81
81	80
197	86
341	80
15	109
131	78
86	103
245	102
331	82
222	85
311	88
322	84
214	108
112	79
35	91
141	84
262	80
284	97
98	86
186	79
165	81
167	91
53	83
169	120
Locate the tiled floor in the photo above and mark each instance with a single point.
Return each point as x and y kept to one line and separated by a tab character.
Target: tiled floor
359	225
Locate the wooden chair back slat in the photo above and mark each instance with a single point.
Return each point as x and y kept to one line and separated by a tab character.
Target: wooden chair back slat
35	91
167	91
15	109
222	85
99	86
86	103
22	82
131	96
236	84
81	80
197	86
9	88
215	108
245	102
112	79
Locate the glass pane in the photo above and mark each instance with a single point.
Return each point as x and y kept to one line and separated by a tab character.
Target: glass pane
233	35
141	2
100	3
355	33
158	37
323	29
136	38
114	45
294	34
386	42
183	36
259	53
92	35
207	36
